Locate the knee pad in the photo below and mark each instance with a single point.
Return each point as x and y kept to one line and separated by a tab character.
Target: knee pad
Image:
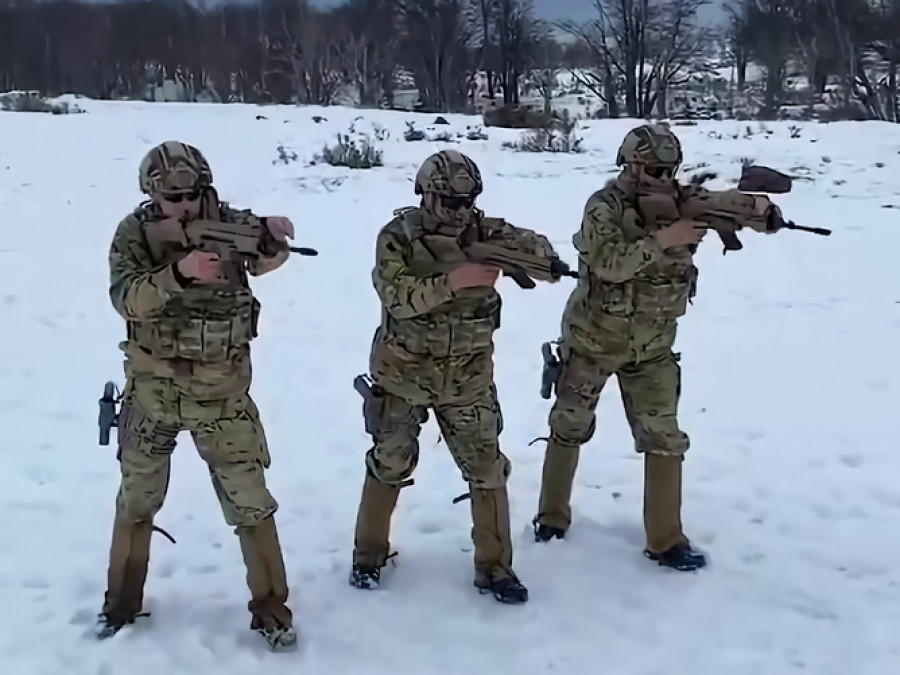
572	426
395	470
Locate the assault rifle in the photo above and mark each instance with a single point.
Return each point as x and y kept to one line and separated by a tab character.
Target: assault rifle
246	241
723	220
523	268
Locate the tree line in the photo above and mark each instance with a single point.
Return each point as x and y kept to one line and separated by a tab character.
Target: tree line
850	47
274	50
631	53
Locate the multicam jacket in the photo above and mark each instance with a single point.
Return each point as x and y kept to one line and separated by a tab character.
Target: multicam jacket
631	291
171	321
421	314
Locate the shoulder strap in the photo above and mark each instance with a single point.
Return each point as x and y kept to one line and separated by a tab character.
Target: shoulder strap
410	218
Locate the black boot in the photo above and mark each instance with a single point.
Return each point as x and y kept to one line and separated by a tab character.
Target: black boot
680	557
367	577
508	590
546	532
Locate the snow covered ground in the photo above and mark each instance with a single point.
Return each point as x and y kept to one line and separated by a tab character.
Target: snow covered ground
790	397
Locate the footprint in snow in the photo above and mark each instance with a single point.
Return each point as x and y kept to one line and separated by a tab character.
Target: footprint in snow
166	570
852	460
430	527
83	617
878	385
204	569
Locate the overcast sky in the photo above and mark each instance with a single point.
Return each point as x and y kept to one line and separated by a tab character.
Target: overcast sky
577	10
552	10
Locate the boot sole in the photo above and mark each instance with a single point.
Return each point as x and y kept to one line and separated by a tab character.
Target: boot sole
689	567
482	590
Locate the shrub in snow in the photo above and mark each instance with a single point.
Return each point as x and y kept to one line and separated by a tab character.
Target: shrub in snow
515	117
558	136
442	130
285	155
32	101
358	148
413	134
476	132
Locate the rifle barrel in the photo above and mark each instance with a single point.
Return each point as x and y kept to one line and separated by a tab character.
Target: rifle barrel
791	225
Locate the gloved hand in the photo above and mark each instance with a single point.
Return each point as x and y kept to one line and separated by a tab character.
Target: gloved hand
280	227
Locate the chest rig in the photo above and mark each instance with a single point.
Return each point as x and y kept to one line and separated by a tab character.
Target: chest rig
460	326
662	289
205	321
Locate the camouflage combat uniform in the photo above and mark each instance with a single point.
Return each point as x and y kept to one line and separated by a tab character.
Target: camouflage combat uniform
621	320
188	368
434	349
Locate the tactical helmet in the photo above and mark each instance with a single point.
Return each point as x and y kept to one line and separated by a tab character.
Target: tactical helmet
174	167
449	173
652	144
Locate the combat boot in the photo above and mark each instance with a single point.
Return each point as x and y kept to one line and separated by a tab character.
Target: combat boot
493	547
554	512
666	542
373	526
129	556
546	532
267	582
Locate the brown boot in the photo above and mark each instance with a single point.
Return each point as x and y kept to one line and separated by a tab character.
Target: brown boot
373	527
554	512
493	547
129	555
267	581
666	541
373	522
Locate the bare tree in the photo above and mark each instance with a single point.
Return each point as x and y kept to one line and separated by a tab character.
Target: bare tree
595	37
435	38
852	27
481	22
738	38
886	44
372	43
518	33
768	32
643	47
677	48
546	61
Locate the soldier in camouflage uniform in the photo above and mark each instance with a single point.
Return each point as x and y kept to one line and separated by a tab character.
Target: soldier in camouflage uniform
190	317
434	349
636	280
